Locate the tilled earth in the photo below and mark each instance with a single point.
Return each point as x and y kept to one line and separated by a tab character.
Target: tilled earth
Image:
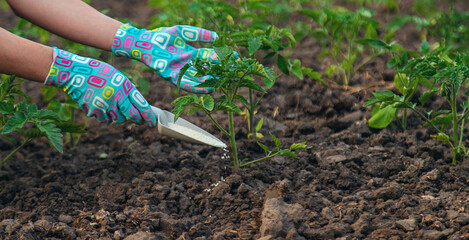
127	182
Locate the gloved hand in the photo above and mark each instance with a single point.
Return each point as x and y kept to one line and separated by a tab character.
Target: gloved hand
100	89
165	50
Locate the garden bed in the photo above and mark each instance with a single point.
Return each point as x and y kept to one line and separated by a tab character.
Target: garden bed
128	182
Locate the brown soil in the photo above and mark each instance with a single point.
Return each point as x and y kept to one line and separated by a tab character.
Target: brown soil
354	182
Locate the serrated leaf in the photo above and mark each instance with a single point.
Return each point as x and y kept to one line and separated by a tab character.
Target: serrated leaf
441	137
207	102
193	109
53	134
288	153
266	149
313	75
16	121
7	108
425	47
48	92
252	85
427	95
296	69
226	106
282	64
70	127
276	140
254	43
298	146
223	52
181	74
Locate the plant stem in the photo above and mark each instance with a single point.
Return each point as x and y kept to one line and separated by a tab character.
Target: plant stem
251	114
232	137
456	147
260	159
216	123
14	151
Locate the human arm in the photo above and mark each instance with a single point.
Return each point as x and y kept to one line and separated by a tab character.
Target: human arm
71	19
100	89
77	21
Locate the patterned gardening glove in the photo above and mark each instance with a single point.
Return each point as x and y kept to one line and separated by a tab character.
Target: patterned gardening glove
100	89
165	51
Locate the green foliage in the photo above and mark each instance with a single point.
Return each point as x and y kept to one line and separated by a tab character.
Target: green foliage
338	31
26	120
442	74
229	77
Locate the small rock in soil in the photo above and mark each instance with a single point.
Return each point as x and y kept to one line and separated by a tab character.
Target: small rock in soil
407	224
435	235
363	224
327	213
64	231
65	218
142	236
278	217
390	190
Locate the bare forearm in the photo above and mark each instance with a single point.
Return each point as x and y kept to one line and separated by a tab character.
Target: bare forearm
23	57
71	19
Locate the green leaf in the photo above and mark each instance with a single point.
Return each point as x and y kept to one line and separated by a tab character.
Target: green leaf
288	153
254	43
313	14
371	101
223	52
276	140
53	133
181	74
252	85
266	149
182	103
441	137
193	109
296	69
226	106
7	108
70	127
282	64
425	47
443	121
313	75
427	95
382	117
270	55
298	146
207	102
259	124
373	43
270	78
16	121
48	92
289	36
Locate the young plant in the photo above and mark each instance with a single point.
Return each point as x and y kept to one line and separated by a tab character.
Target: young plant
28	121
338	29
383	116
230	76
446	75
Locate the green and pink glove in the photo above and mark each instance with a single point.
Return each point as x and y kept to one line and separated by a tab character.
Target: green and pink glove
100	89
165	51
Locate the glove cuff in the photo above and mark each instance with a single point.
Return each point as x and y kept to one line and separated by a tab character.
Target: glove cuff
128	36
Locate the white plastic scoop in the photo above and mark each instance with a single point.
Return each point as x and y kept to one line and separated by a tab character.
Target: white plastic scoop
184	130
